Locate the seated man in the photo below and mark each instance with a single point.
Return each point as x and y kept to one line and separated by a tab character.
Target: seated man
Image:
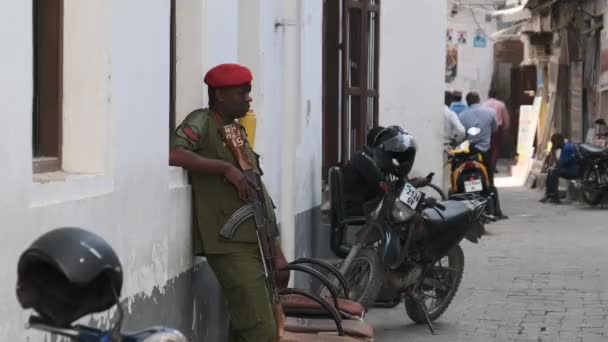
567	168
361	178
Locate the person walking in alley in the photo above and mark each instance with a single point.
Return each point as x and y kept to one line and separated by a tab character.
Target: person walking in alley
457	105
219	190
453	129
503	122
483	118
566	168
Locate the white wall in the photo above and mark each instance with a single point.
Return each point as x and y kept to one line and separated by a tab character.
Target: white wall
117	91
132	205
412	64
287	100
125	191
309	117
475	65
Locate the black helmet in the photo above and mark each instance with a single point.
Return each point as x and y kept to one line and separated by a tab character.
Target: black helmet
395	151
68	273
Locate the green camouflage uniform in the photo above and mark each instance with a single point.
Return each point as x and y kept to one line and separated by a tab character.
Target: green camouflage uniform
236	263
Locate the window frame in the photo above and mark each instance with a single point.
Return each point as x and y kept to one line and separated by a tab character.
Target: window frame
47	41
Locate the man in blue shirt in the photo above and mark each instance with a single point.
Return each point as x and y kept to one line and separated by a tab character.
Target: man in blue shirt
483	118
567	167
457	105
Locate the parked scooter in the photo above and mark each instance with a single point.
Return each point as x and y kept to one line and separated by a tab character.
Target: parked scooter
68	273
468	174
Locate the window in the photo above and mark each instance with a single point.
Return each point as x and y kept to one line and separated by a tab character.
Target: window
47	64
350	81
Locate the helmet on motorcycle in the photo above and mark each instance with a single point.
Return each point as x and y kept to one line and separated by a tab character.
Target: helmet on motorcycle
68	273
395	151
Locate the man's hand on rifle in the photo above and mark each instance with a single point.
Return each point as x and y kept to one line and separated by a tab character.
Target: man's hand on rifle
242	185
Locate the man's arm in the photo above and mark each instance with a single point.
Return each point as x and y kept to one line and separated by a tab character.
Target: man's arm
458	131
188	138
494	121
179	156
506	118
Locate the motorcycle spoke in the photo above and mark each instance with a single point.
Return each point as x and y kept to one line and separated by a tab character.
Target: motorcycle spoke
428	296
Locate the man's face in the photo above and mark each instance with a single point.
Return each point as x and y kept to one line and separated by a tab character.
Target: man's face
236	100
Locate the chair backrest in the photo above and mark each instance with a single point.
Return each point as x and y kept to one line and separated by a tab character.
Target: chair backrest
336	196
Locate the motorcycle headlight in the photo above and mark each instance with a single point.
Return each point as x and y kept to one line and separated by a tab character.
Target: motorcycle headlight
401	212
166	336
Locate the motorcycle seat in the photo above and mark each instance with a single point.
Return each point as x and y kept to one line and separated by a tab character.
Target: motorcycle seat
588	149
456	213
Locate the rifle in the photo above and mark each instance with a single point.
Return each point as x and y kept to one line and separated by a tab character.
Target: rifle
257	207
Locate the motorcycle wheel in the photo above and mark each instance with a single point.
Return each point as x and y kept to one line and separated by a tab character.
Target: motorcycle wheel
591	198
364	277
436	300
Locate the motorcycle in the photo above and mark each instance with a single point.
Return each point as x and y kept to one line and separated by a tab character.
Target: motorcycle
410	245
593	173
468	174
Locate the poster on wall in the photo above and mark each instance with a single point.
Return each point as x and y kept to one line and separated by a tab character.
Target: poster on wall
451	63
462	37
449	37
603	83
480	40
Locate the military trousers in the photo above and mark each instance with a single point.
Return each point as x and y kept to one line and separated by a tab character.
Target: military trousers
241	276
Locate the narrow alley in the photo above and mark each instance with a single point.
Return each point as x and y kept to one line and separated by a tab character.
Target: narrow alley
539	276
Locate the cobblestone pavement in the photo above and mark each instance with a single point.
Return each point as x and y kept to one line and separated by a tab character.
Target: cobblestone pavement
542	275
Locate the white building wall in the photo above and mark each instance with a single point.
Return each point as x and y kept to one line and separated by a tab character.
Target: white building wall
475	64
118	183
412	76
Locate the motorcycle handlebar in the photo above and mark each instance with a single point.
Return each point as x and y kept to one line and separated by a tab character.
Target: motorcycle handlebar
39	323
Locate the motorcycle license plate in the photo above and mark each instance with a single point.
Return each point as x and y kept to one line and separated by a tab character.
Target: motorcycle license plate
410	196
473	186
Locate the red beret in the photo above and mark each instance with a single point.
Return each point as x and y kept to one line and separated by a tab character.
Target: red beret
227	75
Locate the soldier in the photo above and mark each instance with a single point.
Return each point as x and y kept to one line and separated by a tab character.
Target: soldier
219	190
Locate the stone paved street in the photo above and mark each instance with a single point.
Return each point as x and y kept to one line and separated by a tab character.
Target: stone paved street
540	276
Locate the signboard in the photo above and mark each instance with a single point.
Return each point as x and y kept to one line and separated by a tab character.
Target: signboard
528	121
479	41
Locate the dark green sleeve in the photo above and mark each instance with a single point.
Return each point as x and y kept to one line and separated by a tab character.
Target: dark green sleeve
190	133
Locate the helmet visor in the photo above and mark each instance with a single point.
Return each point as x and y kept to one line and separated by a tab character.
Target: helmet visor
399	143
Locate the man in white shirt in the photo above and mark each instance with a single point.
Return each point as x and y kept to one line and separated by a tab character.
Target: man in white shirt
453	129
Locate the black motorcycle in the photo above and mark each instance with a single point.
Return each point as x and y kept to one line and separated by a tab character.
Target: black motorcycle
593	173
410	244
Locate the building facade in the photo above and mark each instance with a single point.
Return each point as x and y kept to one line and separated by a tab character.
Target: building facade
93	89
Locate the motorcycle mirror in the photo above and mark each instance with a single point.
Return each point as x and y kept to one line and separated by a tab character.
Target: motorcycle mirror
473	131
